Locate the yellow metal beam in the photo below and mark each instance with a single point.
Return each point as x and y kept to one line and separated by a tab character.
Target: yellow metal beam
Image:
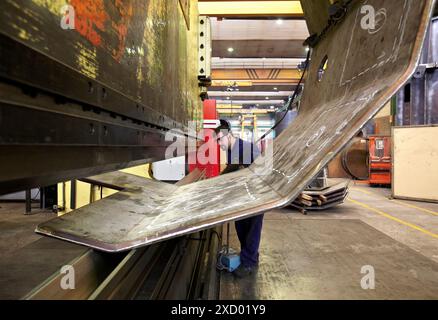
254	75
228	83
227	106
244	111
250	8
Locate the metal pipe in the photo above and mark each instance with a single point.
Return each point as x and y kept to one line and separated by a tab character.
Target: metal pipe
399	109
417	101
431	98
42	198
73	195
228	238
28	201
64	201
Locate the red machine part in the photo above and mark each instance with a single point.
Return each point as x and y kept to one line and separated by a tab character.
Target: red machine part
212	169
380	163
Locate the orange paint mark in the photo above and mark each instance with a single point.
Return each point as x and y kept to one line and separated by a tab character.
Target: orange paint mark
121	27
90	18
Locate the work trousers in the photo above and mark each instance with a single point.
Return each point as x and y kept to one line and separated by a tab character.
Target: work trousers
249	232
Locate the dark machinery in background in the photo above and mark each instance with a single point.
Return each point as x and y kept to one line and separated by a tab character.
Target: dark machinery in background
417	103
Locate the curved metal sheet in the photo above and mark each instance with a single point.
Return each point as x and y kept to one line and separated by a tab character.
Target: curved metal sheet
365	69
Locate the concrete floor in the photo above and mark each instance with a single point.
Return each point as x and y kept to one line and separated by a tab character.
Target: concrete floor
16	229
320	255
26	258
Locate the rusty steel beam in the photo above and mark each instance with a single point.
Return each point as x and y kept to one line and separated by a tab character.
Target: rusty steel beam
365	68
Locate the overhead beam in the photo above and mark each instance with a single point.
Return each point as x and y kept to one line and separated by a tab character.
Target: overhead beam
250	93
255	63
245	111
257	75
259	49
251	102
254	9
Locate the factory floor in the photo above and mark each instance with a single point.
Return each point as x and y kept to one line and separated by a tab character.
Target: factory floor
314	256
26	258
321	255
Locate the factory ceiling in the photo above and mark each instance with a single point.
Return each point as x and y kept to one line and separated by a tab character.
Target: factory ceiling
261	49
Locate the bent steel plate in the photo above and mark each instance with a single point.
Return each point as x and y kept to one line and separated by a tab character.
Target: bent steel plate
365	68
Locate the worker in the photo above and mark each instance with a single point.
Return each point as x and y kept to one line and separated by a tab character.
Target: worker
241	154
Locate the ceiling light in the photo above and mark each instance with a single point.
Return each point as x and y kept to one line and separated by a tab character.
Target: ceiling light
228	98
279	21
267	98
230	49
275	89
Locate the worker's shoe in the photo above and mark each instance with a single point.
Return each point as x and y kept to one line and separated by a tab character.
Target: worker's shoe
243	272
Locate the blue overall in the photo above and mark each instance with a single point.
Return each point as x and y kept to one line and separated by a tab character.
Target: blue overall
248	230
